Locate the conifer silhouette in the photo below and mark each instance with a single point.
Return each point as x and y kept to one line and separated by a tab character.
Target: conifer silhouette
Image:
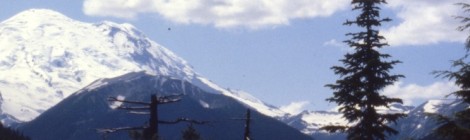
364	75
458	126
190	133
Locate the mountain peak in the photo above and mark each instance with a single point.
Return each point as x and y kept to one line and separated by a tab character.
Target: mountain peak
92	104
46	56
40	12
38	15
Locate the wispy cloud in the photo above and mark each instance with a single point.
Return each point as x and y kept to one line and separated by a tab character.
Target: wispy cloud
411	92
424	22
295	107
334	43
338	44
219	13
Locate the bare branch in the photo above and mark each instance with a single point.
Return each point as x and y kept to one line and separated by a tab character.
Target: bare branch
112	130
114	99
139	113
172	96
169	99
183	120
133	108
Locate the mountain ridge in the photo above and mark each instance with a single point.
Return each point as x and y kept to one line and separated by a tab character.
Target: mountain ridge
46	56
81	114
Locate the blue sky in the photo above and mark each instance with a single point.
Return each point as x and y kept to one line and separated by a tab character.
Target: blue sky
281	51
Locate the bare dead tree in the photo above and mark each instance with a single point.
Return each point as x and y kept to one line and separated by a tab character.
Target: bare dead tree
145	108
247	119
247	125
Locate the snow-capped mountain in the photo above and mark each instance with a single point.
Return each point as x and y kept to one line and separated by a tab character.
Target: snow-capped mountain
418	125
78	116
310	122
46	56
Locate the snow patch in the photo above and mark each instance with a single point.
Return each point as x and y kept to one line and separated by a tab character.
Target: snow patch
95	85
432	106
244	98
295	108
115	104
204	104
46	56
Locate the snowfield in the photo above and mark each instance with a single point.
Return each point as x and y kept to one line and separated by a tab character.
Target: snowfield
46	56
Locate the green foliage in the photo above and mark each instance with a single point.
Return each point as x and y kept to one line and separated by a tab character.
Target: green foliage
458	125
190	133
9	134
363	76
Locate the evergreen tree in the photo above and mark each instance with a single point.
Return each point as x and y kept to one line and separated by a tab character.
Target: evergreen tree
190	133
466	22
458	126
363	76
9	134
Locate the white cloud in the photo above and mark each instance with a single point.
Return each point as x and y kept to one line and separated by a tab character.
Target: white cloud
411	92
335	43
424	22
295	107
220	13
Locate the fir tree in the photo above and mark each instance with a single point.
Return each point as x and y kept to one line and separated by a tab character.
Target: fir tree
190	133
364	75
466	22
458	126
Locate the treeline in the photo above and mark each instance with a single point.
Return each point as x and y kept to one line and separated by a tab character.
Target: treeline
10	134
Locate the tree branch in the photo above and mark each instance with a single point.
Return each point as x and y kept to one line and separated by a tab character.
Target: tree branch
183	120
114	99
111	130
133	108
169	99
